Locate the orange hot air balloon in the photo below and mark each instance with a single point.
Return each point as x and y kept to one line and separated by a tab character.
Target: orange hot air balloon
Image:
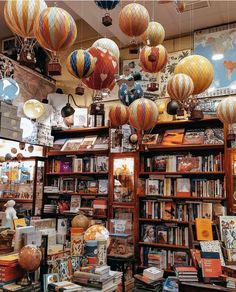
199	69
154	35
143	114
180	86
160	58
133	19
119	115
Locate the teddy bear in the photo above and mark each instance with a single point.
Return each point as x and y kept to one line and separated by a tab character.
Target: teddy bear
10	213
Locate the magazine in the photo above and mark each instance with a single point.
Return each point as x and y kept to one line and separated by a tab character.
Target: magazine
88	142
173	137
72	144
194	137
214	136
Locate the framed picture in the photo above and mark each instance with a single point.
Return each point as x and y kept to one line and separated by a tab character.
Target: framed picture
218	45
81	117
8	44
49	278
209	104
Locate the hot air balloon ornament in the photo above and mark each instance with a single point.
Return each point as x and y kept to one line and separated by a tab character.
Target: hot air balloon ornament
55	30
107	5
80	63
20	16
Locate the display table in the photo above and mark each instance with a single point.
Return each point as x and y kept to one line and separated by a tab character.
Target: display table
121	264
201	287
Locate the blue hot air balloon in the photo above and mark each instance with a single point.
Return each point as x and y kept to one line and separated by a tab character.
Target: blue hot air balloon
128	95
107	5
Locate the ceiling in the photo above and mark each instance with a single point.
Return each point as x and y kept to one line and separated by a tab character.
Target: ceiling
175	24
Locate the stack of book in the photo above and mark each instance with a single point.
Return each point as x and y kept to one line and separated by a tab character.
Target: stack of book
151	280
186	274
64	286
48	208
51	189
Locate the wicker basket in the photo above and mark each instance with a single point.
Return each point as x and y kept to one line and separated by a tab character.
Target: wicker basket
6	237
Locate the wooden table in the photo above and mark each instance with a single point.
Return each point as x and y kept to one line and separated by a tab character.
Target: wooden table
201	287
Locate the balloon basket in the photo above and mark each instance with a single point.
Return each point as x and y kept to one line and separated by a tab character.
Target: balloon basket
133	48
25	281
152	87
231	137
26	58
79	90
180	112
152	58
196	115
107	20
54	68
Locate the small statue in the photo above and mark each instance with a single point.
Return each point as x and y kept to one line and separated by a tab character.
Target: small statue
10	213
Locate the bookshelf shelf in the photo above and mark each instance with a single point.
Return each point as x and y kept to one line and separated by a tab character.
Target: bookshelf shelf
74	193
201	173
162	245
155	148
163	221
76	173
188	122
86	152
80	130
17	200
71	215
182	198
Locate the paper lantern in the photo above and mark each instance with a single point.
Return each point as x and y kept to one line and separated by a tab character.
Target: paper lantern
109	45
172	107
30	258
106	66
160	58
133	19
154	34
129	94
96	232
20	15
9	89
143	114
180	86
199	69
119	115
33	109
107	4
80	63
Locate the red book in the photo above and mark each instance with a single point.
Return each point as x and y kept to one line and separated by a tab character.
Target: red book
211	264
186	270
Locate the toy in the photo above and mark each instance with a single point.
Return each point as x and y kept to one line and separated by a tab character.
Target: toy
10	213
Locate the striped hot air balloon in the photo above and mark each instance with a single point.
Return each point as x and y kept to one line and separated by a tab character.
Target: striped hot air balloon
109	45
80	63
154	35
106	67
180	86
160	58
55	29
143	114
119	115
199	69
20	15
226	110
133	19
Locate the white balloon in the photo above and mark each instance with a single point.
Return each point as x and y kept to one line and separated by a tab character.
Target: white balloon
108	44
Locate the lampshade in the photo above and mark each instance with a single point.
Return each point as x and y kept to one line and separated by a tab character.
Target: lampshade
33	109
67	111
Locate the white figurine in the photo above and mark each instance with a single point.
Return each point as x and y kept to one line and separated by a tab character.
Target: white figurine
10	213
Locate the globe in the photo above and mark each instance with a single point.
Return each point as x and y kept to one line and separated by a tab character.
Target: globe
96	232
30	258
80	221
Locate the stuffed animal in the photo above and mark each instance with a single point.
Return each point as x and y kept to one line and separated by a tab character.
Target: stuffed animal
10	213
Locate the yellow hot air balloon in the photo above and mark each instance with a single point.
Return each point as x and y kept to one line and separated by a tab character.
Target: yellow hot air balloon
154	35
33	109
199	69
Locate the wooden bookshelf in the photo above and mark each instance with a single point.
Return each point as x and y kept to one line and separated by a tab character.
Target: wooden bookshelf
183	198
76	173
80	130
156	148
163	221
199	173
78	152
164	246
16	200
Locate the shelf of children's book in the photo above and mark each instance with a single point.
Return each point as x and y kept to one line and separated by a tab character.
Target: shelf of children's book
163	221
163	198
154	148
199	173
16	200
79	130
76	173
162	245
79	152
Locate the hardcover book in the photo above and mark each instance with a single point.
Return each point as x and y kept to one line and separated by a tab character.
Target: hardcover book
194	137
169	211
211	265
213	246
153	187
227	230
204	229
159	163
149	233
214	136
72	144
189	163
75	203
149	139
173	137
183	188
102	163
88	142
103	186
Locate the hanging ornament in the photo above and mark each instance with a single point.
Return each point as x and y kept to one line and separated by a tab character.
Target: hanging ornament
129	94
199	69
180	5
179	87
109	45
13	150
118	115
143	114
55	30
8	157
33	109
172	107
153	59
226	112
31	148
80	63
20	16
133	21
21	145
106	67
154	35
19	156
107	5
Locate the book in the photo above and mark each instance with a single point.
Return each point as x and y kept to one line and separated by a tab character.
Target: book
103	186
101	163
189	163
20	222
75	203
171	284
214	136
213	246
169	211
77	165
153	273
141	187
149	139
153	187
194	137
88	142
72	144
196	257
207	210
92	186
183	188
101	142
66	164
227	230
159	163
162	235
204	229
211	265
81	117
173	137
58	144
149	233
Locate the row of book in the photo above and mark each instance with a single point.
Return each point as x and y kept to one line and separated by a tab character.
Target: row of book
162	259
69	184
181	187
86	143
74	164
174	234
180	211
185	137
183	163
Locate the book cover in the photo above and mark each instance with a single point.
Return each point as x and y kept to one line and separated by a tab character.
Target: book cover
58	144
169	211
92	186
159	163
196	256
66	164
103	186
213	246
101	163
75	203
20	222
162	234
171	285
149	233
81	117
152	187
183	188
207	210
211	265
189	163
88	142
116	140
141	187
204	229
72	144
77	165
227	230
214	136
173	137
149	139
194	137
180	258
101	142
127	146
